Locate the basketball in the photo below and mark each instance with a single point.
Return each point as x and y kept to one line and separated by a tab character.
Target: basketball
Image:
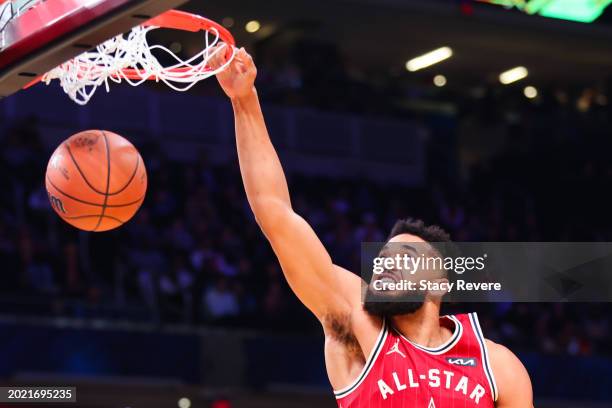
96	180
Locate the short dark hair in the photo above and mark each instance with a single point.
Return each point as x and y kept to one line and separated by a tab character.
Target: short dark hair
429	233
433	234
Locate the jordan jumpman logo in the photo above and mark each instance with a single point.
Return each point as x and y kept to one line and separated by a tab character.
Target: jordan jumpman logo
395	349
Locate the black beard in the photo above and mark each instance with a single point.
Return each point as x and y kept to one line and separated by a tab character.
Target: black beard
381	305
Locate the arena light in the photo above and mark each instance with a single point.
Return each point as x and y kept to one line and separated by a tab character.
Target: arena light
439	81
228	22
513	75
176	47
184	403
429	59
252	26
584	11
530	92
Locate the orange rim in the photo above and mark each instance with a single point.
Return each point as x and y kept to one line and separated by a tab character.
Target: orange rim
177	20
181	20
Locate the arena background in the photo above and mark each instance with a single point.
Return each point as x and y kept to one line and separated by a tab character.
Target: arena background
187	302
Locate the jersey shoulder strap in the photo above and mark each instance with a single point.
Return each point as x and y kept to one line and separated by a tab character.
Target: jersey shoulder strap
473	335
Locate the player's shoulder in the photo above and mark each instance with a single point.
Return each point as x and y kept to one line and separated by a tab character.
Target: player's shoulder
499	350
510	374
502	359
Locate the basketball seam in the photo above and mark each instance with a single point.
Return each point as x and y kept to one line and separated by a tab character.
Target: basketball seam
77	217
108	174
89	202
87	181
130	179
81	171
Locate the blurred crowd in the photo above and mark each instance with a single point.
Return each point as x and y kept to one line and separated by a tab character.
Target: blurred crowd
194	255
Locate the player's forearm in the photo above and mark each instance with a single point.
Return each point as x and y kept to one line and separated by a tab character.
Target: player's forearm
262	173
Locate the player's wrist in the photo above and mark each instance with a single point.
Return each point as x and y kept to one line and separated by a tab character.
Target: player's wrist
249	97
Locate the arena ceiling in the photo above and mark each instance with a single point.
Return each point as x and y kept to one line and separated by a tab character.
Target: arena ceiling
380	35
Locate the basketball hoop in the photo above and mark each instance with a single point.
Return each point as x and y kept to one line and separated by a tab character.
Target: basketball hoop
129	57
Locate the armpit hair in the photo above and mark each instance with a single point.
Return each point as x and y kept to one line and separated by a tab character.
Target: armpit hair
340	328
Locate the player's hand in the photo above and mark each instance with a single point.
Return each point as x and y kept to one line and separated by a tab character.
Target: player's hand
237	79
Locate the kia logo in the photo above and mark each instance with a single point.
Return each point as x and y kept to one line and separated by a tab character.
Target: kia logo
465	362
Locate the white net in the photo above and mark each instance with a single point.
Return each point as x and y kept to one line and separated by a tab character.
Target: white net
81	76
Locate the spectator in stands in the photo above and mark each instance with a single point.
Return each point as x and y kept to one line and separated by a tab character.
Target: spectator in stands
220	301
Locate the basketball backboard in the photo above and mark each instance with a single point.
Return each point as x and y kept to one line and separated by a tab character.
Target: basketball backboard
38	35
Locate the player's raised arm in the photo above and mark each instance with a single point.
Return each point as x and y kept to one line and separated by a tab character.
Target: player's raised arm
321	286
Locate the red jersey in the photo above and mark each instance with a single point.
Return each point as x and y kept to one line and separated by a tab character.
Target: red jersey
401	374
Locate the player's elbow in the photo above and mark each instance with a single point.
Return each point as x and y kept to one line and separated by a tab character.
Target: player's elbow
271	214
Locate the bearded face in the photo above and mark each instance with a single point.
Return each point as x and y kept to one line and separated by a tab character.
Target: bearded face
393	302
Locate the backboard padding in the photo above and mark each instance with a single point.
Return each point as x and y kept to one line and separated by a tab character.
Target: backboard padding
39	42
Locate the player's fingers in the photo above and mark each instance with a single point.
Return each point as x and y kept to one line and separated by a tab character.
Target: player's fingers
245	56
238	55
249	64
220	55
245	65
238	67
217	58
238	63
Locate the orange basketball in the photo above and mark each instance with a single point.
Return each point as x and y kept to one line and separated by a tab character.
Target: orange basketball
96	180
